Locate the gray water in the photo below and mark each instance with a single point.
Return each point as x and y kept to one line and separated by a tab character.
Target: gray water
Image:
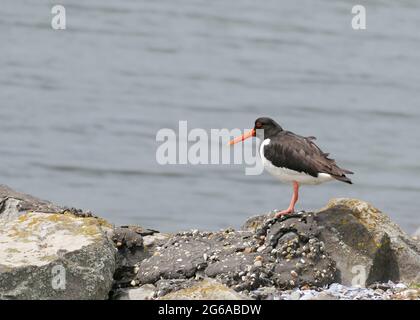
80	107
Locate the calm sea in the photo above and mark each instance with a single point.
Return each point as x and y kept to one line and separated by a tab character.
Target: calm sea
80	108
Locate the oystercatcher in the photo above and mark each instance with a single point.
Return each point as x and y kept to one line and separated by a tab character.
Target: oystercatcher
293	158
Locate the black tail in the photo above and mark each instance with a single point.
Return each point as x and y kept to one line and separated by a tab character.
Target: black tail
343	178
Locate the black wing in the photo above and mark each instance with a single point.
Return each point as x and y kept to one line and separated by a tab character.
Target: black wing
289	150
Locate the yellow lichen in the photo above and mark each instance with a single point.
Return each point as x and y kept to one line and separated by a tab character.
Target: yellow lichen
89	230
89	226
48	258
23	218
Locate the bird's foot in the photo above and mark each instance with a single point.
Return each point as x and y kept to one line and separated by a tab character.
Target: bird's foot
284	212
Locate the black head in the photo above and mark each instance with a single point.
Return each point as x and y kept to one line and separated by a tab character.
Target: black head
270	127
264	128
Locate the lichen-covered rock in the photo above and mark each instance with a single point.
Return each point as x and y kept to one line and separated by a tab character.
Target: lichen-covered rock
366	245
49	252
45	255
206	289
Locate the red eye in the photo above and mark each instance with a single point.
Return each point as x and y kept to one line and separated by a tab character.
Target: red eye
258	125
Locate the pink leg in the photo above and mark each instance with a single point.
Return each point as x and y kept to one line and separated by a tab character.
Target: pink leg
295	198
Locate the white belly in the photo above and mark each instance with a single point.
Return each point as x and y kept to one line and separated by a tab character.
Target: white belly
287	175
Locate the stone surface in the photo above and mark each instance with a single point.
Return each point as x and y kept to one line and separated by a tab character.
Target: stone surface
303	256
348	242
134	244
13	204
416	235
360	237
46	255
407	294
336	291
165	286
283	253
129	242
145	292
207	289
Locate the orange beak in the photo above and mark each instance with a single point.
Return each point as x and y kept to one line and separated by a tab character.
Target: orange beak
246	135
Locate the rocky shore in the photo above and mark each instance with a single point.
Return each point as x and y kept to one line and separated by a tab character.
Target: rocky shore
347	250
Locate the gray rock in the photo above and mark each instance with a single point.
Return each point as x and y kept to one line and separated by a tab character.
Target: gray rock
206	289
284	253
295	295
364	241
307	296
37	245
264	293
179	259
165	286
255	222
300	256
50	255
134	244
13	204
128	237
416	234
130	252
408	294
154	240
324	296
366	246
145	292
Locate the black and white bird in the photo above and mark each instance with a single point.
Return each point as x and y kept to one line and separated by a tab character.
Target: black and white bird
293	158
